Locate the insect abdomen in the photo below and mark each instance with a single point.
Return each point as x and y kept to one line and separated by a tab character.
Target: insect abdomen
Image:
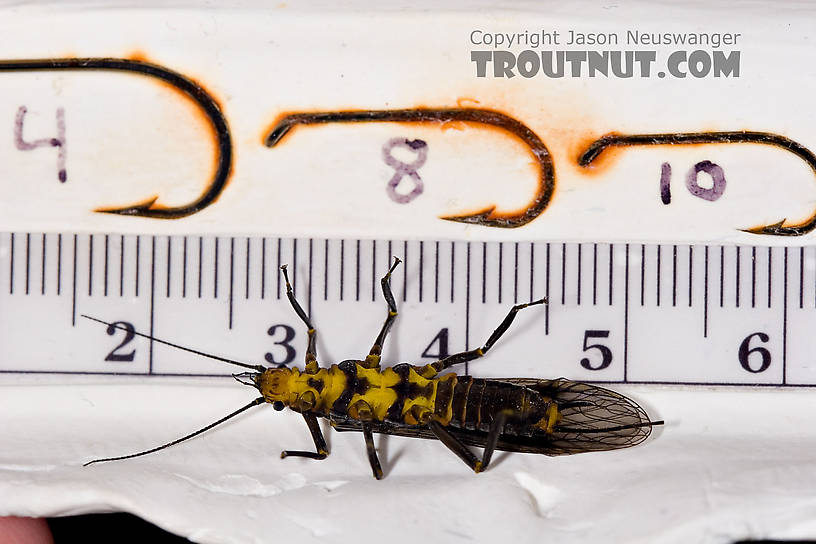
477	402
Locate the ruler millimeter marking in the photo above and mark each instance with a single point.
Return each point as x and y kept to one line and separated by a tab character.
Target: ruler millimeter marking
635	313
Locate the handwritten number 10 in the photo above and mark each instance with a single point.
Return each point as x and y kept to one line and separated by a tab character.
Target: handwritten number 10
714	171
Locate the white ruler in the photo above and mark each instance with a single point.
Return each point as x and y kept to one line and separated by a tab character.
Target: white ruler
621	313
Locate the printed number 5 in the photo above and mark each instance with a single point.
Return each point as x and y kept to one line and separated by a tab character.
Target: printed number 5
606	353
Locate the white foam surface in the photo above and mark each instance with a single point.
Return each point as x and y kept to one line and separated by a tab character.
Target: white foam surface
729	463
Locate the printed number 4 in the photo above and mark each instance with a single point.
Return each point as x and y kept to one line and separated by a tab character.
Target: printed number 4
441	343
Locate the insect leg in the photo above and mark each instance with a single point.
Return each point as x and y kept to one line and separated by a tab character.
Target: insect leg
465	356
372	453
311	354
373	359
493	437
455	445
463	452
319	442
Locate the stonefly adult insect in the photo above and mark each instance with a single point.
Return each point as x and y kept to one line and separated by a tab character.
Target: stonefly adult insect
551	417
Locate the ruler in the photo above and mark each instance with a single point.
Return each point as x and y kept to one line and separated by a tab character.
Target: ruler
619	313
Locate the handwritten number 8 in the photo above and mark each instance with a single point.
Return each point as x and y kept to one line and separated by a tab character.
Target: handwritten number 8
402	169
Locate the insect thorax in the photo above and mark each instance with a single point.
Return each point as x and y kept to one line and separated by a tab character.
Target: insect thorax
403	393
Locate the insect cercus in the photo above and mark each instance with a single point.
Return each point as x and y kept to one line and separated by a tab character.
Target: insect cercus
529	415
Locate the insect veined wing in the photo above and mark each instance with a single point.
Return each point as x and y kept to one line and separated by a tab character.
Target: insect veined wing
347	424
592	418
538	444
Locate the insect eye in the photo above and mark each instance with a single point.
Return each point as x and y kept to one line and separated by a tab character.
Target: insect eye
278	405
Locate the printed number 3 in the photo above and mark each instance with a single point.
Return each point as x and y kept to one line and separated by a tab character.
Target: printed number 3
289	334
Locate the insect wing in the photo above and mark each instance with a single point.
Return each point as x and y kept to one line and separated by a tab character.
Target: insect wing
471	438
409	431
592	418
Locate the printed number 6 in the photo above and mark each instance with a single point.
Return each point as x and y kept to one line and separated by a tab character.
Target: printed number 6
745	350
606	353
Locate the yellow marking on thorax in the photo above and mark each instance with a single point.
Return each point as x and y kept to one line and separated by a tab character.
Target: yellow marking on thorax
334	383
380	394
424	402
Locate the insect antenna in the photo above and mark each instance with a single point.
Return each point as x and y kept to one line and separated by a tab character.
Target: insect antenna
255	402
259	368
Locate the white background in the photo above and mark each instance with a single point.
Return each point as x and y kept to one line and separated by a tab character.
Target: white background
729	464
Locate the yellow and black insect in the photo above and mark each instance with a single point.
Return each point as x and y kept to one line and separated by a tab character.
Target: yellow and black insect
551	417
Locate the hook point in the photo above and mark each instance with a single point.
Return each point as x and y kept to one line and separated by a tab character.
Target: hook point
140	209
772	229
479	218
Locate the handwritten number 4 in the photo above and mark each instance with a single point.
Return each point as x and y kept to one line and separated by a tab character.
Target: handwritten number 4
58	142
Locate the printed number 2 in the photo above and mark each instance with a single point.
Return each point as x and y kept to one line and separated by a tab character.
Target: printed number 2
606	353
129	331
